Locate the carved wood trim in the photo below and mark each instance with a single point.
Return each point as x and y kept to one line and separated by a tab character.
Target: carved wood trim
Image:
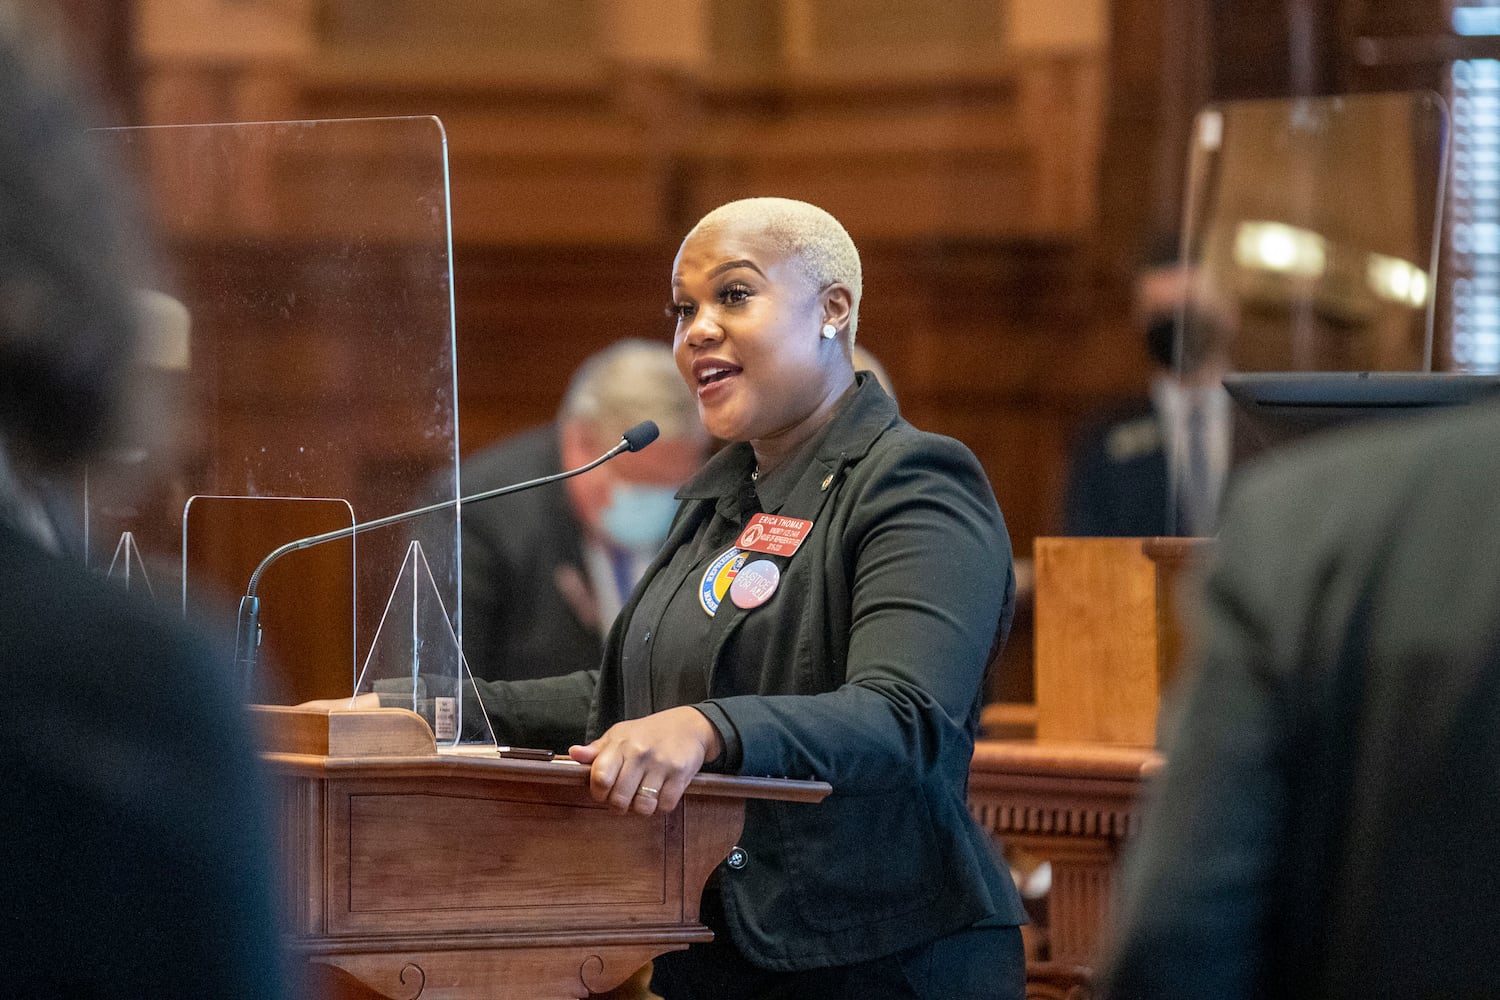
1073	805
1068	791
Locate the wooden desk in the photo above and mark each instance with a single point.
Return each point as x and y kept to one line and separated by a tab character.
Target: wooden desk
1074	805
1109	634
442	875
1109	640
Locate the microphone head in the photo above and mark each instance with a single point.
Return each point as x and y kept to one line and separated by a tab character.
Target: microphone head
641	435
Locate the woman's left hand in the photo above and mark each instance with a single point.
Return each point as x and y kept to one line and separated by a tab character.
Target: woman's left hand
645	764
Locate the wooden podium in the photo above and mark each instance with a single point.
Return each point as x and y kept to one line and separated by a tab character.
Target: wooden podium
447	875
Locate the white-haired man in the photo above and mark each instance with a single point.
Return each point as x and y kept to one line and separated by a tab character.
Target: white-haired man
545	570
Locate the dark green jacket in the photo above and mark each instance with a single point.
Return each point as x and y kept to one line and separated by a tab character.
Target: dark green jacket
864	670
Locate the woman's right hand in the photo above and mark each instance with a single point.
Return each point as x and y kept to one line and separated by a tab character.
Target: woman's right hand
643	765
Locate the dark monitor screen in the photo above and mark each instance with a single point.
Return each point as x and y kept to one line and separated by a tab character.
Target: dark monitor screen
1272	408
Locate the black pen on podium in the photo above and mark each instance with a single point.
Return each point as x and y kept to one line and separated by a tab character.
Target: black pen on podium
247	629
526	753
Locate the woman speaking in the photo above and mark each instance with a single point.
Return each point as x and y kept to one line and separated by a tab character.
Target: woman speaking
831	591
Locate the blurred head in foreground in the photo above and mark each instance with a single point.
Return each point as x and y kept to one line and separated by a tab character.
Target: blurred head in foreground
68	264
148	868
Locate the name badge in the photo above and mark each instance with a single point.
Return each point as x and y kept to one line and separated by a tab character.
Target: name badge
773	534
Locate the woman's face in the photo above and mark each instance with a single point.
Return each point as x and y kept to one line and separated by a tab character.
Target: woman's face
748	338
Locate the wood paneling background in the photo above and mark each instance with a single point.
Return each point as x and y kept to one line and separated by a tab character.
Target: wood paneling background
1002	165
959	142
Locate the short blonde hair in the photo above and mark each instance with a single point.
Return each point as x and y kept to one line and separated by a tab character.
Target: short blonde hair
803	231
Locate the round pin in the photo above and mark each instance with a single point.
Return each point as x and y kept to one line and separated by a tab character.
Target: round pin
754	584
717	578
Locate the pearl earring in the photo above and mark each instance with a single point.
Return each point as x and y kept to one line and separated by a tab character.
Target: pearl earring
829	332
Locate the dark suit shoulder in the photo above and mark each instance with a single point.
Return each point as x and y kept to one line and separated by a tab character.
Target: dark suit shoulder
86	622
1414	459
523	571
1399	516
534	524
165	810
531	453
1117	474
909	452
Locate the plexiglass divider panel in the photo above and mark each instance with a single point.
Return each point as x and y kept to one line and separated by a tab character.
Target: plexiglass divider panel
1309	261
1312	224
308	602
312	265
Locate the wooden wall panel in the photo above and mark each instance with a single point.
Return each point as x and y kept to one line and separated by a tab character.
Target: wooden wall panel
969	164
1276	50
967	167
527	316
1159	67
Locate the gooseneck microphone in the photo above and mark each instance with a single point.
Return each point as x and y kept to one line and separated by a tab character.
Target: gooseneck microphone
247	631
634	439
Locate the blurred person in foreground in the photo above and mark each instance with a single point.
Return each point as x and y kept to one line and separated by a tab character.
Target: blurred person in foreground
546	570
137	850
855	654
1325	825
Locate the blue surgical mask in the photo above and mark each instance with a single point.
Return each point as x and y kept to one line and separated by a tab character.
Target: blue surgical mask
638	517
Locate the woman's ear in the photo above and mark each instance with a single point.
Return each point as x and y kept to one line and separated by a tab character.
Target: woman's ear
837	303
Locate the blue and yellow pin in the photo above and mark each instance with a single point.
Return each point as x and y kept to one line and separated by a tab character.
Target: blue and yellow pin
717	578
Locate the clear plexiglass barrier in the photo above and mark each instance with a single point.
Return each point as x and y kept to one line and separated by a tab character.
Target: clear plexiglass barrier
1310	250
1313	225
305	327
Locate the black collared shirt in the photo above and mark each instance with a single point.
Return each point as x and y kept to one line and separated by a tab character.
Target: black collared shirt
665	657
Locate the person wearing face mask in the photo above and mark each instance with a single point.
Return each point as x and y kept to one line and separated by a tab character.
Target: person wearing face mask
1158	464
546	570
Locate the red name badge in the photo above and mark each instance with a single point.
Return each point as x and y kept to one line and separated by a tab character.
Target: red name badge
773	534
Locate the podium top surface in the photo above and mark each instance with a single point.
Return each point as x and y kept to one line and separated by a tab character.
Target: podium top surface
375	741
